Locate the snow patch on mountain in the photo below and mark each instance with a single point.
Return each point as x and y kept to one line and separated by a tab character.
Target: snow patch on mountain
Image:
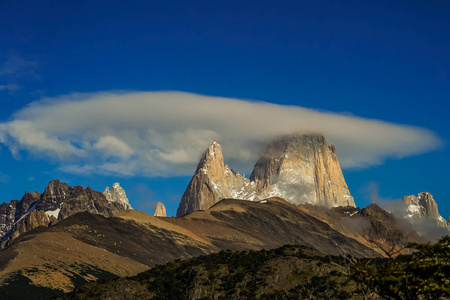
53	213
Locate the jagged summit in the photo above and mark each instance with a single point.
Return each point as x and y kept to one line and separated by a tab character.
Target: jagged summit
298	168
423	207
57	202
117	194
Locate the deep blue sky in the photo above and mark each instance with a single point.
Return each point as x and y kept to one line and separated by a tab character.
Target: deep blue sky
385	60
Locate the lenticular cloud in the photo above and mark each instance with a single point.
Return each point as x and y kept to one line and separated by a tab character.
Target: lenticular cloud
164	133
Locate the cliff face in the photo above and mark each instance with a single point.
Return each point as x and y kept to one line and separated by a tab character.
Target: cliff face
298	168
302	169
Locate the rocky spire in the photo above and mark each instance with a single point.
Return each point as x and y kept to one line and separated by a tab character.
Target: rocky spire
297	168
212	182
117	194
423	207
160	210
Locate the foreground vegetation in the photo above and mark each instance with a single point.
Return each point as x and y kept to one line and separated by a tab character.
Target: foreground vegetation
424	274
289	272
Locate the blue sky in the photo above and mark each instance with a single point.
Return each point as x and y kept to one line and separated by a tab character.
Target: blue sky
385	60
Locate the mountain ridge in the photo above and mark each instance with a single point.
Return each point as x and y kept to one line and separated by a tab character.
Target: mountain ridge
57	202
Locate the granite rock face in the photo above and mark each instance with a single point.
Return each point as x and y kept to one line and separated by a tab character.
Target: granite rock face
297	168
423	208
160	210
302	169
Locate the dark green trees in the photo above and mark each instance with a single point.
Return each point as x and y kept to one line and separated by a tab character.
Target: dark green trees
425	274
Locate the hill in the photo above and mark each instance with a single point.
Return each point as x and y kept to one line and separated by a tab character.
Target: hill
289	272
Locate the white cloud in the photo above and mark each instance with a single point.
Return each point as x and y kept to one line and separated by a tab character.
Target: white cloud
23	135
164	133
113	146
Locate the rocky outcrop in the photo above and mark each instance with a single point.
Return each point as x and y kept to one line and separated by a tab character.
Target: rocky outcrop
15	209
26	203
160	210
423	208
34	219
297	168
54	195
117	195
81	199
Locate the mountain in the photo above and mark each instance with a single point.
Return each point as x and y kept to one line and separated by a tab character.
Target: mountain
67	236
212	182
57	202
298	168
423	208
160	210
117	195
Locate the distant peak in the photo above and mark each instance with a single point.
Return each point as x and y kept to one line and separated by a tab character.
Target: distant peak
422	205
117	194
160	210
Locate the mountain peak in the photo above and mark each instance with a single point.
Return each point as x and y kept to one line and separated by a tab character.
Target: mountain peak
212	182
302	169
423	206
117	194
212	158
160	210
